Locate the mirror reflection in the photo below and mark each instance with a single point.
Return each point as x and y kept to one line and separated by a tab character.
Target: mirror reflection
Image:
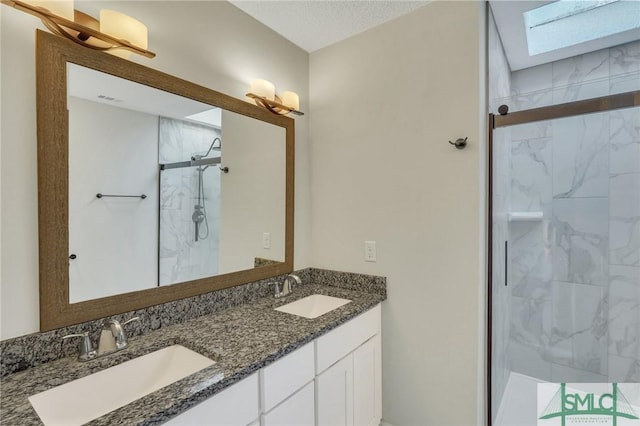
164	189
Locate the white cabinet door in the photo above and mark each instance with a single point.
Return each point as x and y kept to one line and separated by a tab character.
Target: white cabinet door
285	376
298	410
234	406
334	393
367	383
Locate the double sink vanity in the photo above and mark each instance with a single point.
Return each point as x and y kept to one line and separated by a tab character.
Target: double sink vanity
251	364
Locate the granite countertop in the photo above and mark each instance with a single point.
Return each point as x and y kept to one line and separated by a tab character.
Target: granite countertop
240	339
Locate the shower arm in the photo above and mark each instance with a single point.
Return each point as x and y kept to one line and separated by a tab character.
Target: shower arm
211	147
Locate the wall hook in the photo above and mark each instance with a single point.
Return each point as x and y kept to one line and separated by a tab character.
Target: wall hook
460	143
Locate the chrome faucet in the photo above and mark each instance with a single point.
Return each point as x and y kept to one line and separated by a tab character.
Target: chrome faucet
112	339
285	289
86	350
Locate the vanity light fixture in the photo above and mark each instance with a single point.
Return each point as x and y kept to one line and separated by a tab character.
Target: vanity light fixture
263	94
115	32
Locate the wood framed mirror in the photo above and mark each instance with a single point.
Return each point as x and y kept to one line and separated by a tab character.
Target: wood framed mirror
73	210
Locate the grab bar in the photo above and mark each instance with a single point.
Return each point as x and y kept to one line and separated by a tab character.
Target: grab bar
100	195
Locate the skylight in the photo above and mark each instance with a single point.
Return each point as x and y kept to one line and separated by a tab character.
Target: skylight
210	117
568	22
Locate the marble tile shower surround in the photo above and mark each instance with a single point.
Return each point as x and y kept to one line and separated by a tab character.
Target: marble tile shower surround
600	73
181	257
179	140
574	310
28	351
575	275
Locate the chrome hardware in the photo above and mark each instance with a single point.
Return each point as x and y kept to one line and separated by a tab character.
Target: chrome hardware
286	285
86	350
277	291
113	338
286	289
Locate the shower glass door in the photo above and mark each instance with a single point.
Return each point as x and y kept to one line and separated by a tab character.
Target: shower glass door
565	253
190	192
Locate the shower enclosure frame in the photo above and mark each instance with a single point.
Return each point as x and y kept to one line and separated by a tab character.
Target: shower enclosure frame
570	109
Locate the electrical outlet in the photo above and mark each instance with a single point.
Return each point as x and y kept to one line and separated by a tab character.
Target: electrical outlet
370	251
266	240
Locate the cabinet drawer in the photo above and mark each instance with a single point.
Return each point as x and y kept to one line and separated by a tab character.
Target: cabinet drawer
234	406
336	344
287	375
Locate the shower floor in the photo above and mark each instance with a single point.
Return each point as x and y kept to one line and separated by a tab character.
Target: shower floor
518	406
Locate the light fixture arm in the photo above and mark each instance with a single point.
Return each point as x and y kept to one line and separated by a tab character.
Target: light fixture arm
56	24
275	107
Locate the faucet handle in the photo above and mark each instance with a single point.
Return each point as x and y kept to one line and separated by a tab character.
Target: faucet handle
121	338
86	351
131	320
277	292
124	333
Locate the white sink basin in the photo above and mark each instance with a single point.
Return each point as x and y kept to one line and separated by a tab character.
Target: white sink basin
313	306
90	397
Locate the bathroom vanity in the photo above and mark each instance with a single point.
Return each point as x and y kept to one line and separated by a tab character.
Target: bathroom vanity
336	379
270	368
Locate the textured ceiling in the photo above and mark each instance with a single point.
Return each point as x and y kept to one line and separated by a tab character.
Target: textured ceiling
313	25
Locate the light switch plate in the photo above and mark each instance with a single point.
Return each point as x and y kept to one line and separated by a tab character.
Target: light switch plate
370	251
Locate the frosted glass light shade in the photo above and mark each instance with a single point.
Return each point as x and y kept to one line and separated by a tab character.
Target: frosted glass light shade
263	88
123	27
62	8
291	100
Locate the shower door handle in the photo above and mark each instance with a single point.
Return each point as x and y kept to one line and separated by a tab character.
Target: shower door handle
506	262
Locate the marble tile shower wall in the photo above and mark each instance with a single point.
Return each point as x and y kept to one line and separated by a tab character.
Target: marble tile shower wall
499	87
599	73
575	275
181	257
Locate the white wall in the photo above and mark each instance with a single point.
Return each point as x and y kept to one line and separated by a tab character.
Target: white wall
112	151
209	42
384	105
252	193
